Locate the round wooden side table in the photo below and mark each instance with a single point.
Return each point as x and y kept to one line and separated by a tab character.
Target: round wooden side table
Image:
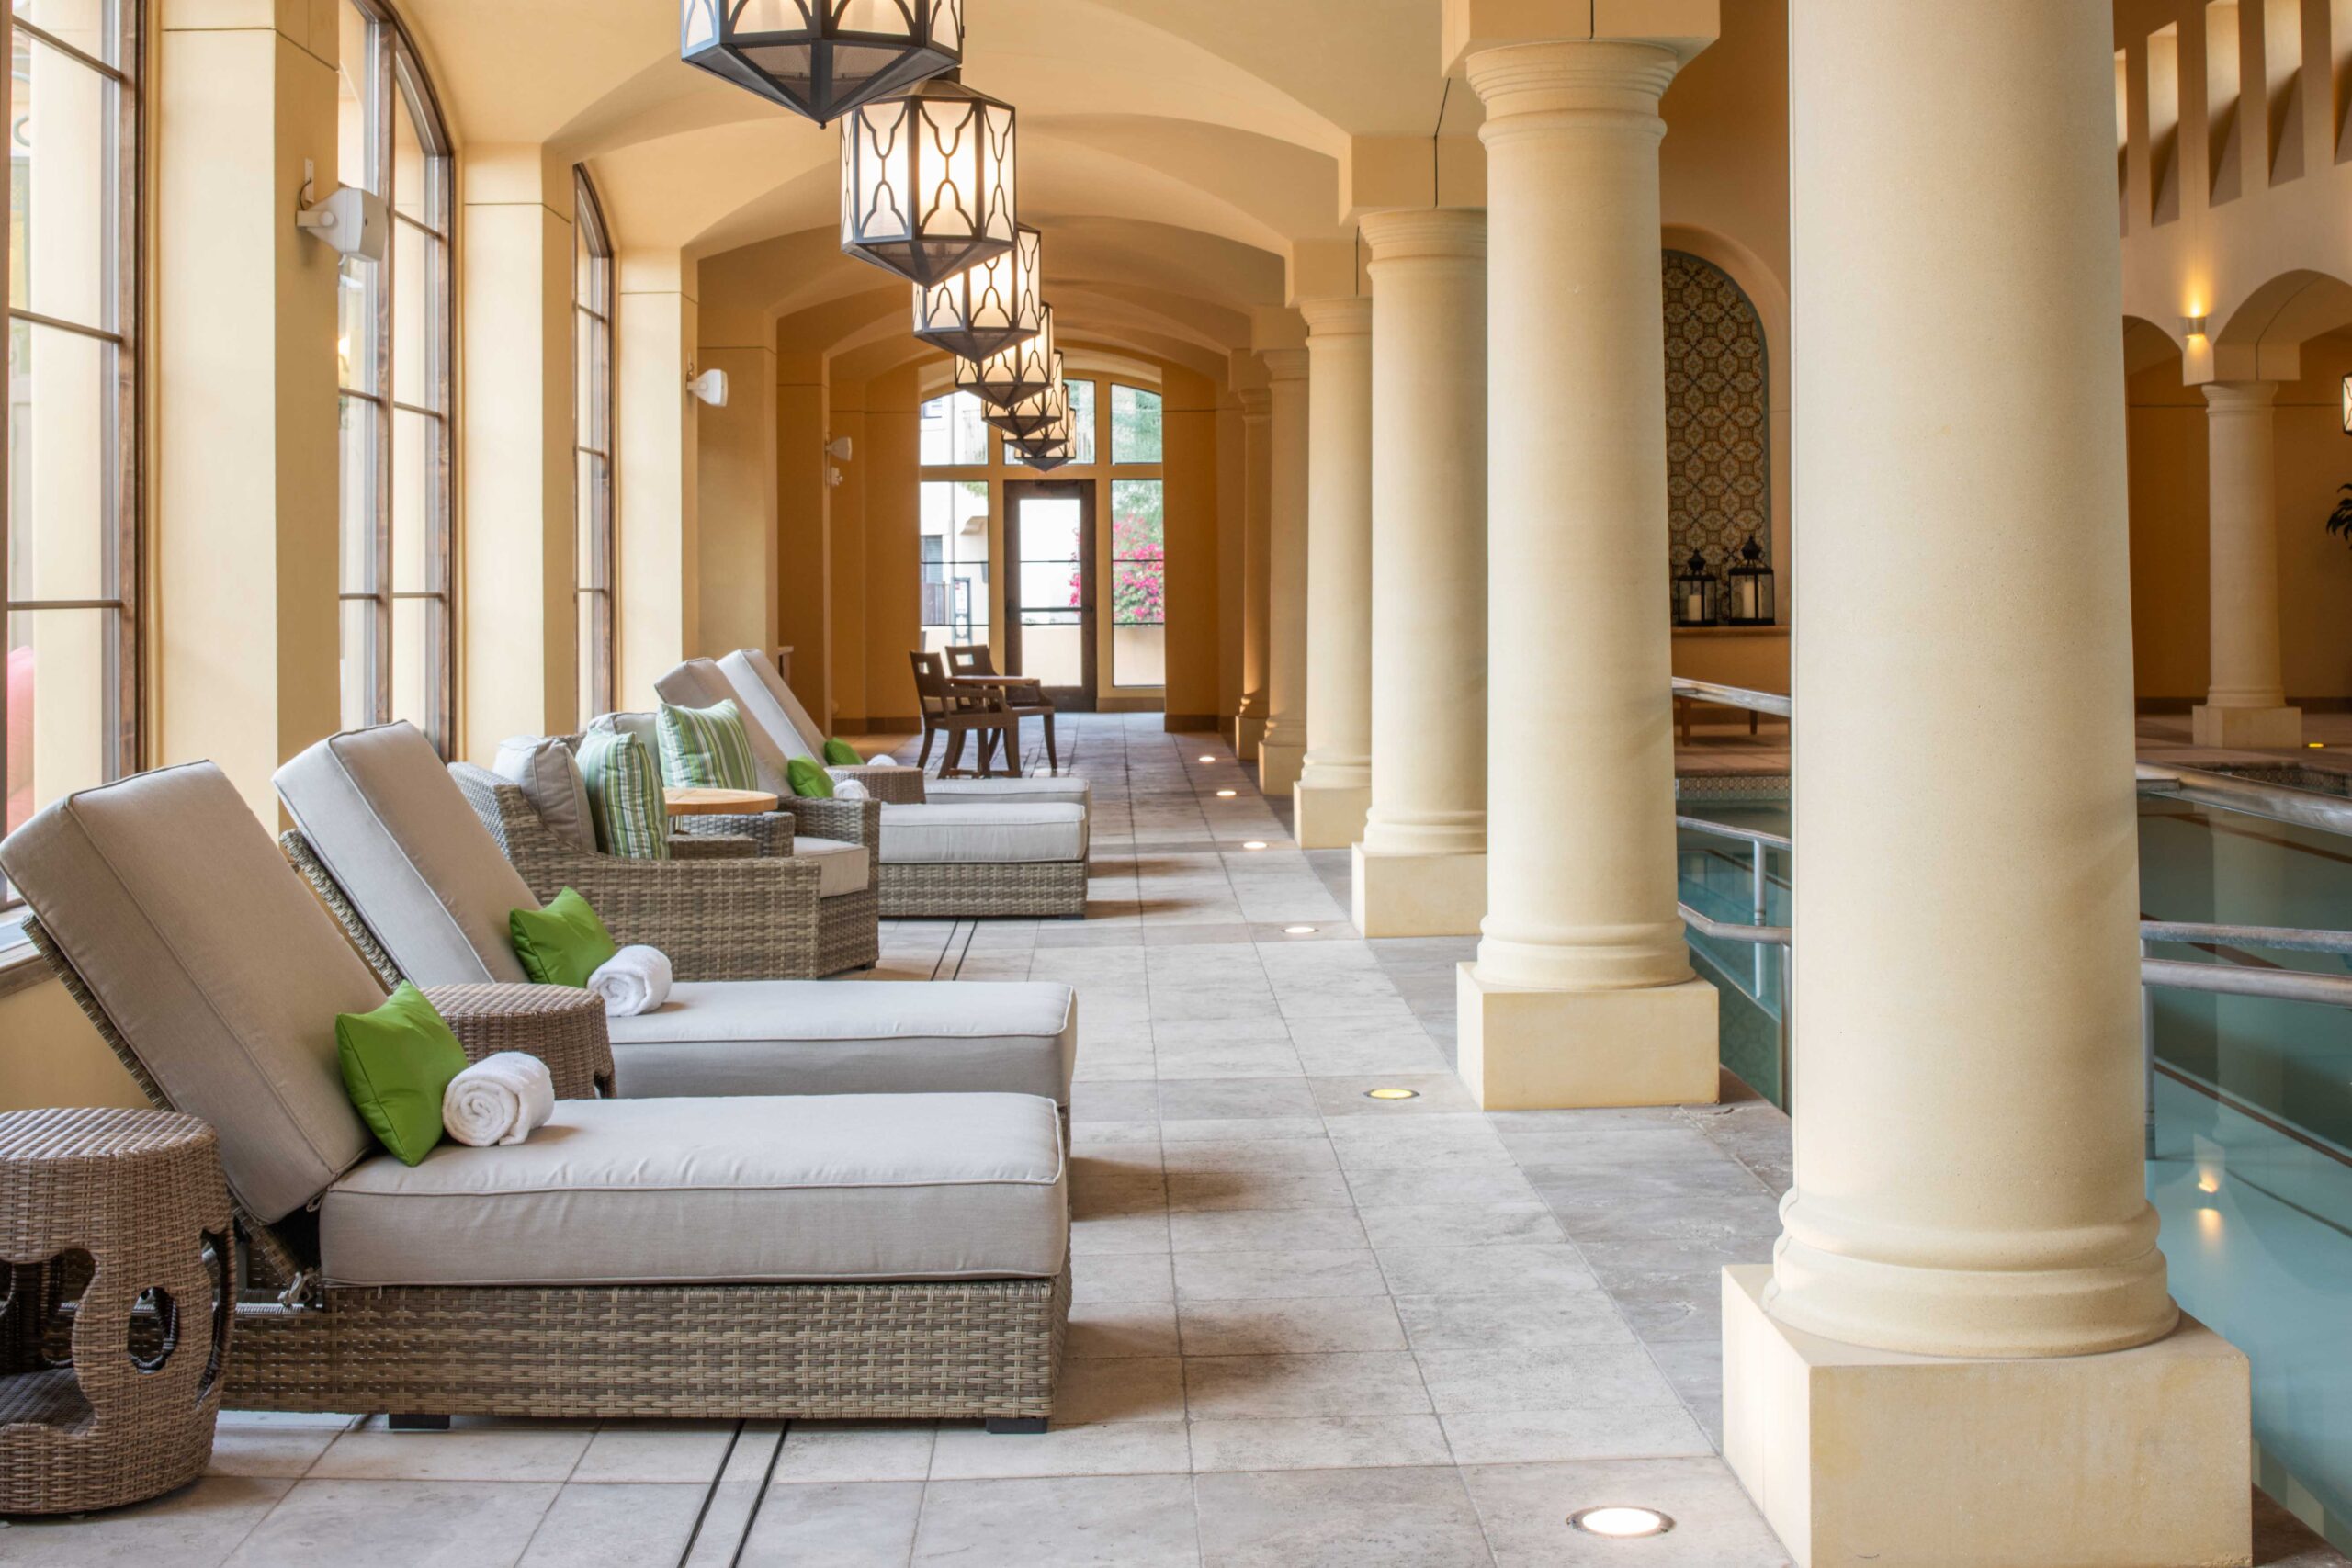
115	1243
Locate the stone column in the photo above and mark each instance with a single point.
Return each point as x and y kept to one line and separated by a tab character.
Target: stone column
1335	788
1282	751
1583	993
2246	702
1422	868
1249	724
1964	1352
660	507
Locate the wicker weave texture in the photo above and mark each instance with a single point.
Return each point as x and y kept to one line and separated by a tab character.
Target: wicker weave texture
1044	889
114	1401
562	1027
960	1349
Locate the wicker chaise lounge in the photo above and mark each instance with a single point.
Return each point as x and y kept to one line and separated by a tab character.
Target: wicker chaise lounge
958	857
390	843
869	1257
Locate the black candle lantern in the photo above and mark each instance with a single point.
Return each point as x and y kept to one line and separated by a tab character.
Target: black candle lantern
1749	597
822	58
1698	593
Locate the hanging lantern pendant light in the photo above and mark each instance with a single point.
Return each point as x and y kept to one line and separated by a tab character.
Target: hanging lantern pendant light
822	58
1045	457
987	309
1012	374
1035	413
927	181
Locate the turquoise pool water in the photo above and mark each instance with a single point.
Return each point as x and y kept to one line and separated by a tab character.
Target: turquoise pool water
2251	1170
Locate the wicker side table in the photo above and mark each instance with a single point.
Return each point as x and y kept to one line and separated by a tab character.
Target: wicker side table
114	1232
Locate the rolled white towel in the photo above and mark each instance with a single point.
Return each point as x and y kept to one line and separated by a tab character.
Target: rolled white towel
851	789
634	980
884	761
498	1099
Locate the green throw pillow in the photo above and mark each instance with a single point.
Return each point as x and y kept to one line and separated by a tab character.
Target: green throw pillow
706	748
810	781
623	796
561	944
841	754
396	1063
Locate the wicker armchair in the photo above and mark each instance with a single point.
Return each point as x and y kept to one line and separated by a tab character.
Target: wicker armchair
718	909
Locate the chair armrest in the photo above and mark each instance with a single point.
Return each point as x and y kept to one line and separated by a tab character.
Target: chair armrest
705	843
769	833
562	1027
893	786
734	919
845	821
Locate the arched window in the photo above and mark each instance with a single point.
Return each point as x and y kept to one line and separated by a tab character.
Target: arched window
592	415
395	359
70	569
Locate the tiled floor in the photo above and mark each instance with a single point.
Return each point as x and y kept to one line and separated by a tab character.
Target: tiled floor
1311	1328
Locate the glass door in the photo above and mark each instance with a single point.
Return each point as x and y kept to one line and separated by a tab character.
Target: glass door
1050	613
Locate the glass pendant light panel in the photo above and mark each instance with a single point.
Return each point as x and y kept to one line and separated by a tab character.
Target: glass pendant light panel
1045	455
987	309
822	58
927	182
1011	375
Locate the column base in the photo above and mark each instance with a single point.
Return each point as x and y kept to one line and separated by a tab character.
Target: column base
1526	1050
1443	895
2079	1461
1247	731
1278	765
2247	729
1329	817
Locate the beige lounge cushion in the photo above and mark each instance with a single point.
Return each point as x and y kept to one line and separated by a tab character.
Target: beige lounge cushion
973	834
544	769
841	867
1050	790
838	1037
381	811
769	703
216	964
712	1192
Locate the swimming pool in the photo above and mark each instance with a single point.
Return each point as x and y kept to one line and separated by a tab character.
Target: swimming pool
2252	1169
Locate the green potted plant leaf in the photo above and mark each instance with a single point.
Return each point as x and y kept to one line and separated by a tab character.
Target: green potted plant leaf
2340	520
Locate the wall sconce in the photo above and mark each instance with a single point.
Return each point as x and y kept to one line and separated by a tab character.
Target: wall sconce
2192	326
838	449
354	222
2347	405
710	387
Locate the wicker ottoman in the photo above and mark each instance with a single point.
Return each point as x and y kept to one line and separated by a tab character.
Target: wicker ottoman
113	1231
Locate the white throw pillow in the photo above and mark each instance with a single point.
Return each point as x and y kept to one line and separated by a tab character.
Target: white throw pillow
548	775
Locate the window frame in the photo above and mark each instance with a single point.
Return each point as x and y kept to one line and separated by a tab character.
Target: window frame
1115	473
594	319
394	66
122	555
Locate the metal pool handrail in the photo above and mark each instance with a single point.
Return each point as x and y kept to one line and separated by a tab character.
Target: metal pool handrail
1735	697
2298	807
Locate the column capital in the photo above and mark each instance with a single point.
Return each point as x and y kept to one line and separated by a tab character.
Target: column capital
2238	397
1257	404
1348	317
1681	27
1284	363
1529	85
1429	233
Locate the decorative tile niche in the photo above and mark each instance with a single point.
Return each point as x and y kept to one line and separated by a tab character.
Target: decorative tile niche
1718	430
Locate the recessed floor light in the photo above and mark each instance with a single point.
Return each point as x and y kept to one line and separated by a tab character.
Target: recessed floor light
1620	1523
1255	844
2316	745
1226	794
1208	758
1298	930
1392	1094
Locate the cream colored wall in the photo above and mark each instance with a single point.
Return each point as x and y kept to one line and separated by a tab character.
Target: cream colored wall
845	525
735	535
893	569
798	508
1230	502
50	1056
659	605
2169	596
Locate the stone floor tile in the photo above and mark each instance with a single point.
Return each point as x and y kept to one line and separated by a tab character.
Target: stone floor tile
1107	1521
1234	1099
398	1524
1318	1442
656	1451
855	1450
1346	1095
1440	1225
840	1524
1524	1507
1260	1155
1221	1130
736	1500
1121	1448
1125	1388
1266	1230
1529	1436
1559	1378
1544	1320
196	1526
1237	1276
283	1451
616	1526
1285	1327
1389	1186
1339	1518
1109	1330
1203	1192
1139	1277
496	1453
1485	1270
1238	1387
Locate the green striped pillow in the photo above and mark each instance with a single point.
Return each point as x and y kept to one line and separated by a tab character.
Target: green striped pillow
706	748
623	797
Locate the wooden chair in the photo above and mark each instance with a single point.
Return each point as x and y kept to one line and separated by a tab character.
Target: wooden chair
1023	696
955	711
